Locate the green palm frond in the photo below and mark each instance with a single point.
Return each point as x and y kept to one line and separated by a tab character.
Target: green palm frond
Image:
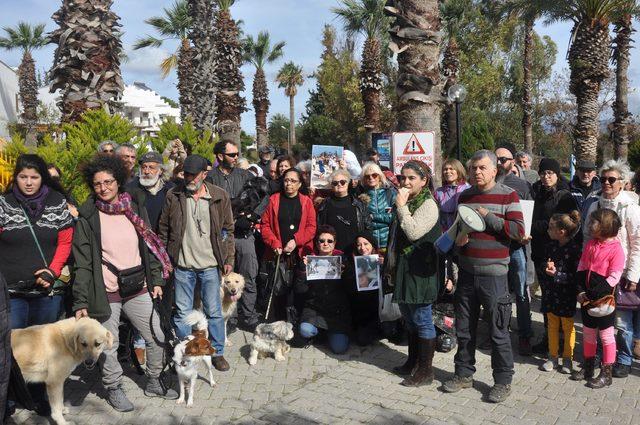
289	78
225	4
594	11
363	17
174	24
148	41
259	52
24	36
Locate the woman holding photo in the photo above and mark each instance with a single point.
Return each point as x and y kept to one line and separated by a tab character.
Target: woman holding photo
413	266
325	302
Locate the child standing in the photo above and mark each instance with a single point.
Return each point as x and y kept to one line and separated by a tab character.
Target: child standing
600	269
559	301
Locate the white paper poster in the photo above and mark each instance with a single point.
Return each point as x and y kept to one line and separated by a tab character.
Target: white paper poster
527	212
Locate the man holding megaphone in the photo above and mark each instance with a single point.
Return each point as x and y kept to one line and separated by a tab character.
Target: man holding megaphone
483	258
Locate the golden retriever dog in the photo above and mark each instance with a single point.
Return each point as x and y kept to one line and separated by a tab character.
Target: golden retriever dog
230	292
49	353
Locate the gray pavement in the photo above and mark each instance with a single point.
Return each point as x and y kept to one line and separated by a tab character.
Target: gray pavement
313	386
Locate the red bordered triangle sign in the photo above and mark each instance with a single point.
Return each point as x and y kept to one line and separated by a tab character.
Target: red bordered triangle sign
413	147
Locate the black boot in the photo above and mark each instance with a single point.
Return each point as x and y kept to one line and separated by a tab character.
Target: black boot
412	358
586	372
423	375
603	379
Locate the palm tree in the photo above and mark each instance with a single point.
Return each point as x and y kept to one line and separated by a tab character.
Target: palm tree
229	51
289	78
203	71
259	52
174	25
367	17
416	36
589	55
27	38
86	65
622	43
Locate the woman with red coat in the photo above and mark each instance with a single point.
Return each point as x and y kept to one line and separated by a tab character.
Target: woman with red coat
288	226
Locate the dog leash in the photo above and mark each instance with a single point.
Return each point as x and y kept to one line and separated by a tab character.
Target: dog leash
273	287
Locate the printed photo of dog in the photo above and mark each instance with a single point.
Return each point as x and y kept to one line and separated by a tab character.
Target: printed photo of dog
271	338
230	292
49	353
187	354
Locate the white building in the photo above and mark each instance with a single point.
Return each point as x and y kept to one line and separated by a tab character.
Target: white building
9	99
146	109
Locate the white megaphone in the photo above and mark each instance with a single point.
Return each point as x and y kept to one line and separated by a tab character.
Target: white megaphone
468	220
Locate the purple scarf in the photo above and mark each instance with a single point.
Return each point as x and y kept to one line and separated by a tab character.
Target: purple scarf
34	204
123	206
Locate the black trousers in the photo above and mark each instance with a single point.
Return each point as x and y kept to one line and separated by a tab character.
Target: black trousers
492	293
247	265
5	345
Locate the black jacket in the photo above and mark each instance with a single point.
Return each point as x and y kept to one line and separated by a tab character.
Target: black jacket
362	216
232	183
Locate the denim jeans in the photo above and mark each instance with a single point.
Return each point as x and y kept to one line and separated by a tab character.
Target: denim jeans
628	324
185	284
34	311
419	319
518	285
338	342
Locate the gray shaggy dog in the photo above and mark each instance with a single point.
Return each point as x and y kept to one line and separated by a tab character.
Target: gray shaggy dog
271	338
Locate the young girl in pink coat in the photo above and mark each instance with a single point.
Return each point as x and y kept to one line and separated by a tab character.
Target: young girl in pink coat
599	271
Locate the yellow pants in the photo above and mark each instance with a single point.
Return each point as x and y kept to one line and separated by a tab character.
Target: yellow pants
553	328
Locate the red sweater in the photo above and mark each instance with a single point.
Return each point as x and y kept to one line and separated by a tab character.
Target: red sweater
270	227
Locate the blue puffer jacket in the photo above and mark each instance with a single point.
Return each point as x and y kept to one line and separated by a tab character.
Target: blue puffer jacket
379	207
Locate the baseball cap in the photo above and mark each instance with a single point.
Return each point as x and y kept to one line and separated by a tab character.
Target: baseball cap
585	164
194	164
265	149
150	157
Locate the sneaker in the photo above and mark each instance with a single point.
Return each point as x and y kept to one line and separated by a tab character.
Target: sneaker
549	365
220	363
620	370
499	393
457	383
118	400
567	366
524	347
156	388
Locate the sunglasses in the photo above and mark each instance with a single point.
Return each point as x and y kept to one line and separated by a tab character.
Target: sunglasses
372	176
610	180
503	159
232	154
337	183
325	241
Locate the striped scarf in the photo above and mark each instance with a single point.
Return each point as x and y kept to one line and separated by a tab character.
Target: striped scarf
123	206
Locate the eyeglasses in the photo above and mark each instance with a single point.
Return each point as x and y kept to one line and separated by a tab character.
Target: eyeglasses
372	176
546	173
503	159
325	240
610	180
292	181
106	183
337	183
232	154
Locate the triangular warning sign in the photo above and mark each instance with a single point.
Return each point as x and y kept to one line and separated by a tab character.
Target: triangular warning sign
413	147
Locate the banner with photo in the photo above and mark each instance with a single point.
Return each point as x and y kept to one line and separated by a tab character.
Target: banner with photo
324	161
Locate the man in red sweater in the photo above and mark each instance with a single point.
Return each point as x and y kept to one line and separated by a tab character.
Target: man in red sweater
483	258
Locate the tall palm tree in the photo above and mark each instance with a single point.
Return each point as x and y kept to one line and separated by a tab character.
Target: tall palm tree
174	25
26	38
230	82
86	65
203	71
589	55
289	78
259	52
416	36
622	44
367	17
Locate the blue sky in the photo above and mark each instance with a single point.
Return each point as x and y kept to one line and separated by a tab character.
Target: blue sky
297	22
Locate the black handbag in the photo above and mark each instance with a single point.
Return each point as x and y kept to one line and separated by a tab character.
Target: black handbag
130	281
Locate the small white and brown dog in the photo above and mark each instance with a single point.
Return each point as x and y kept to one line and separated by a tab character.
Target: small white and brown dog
271	338
193	349
230	292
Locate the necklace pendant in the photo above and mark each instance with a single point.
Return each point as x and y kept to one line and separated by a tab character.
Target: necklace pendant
292	227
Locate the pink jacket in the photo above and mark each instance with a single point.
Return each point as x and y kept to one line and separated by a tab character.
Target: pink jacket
606	258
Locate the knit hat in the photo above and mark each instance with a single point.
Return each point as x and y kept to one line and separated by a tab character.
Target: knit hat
366	234
549	164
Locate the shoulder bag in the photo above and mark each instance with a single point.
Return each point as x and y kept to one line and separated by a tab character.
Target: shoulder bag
130	281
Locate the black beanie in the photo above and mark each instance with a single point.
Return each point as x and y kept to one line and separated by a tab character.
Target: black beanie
549	164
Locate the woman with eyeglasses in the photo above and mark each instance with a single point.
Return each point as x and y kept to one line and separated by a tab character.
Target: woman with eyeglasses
551	196
454	182
120	266
613	175
379	196
412	269
283	163
325	304
343	211
287	226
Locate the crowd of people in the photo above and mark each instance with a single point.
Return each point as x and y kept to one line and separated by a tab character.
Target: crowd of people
160	230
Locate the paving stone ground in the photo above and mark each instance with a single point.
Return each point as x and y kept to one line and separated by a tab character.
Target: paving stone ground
316	387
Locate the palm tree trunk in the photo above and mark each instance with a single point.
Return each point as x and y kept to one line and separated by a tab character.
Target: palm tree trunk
527	107
621	113
370	86
451	70
185	82
419	84
261	107
28	97
292	122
